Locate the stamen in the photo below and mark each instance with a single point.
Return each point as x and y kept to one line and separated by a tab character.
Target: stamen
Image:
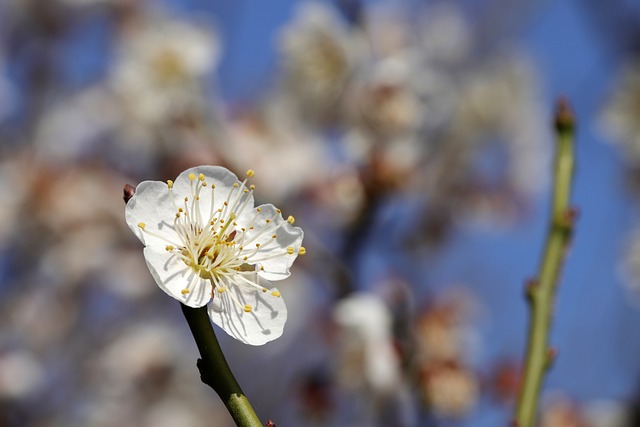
302	250
266	258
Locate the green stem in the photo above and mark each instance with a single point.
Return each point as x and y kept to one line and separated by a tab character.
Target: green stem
215	371
541	292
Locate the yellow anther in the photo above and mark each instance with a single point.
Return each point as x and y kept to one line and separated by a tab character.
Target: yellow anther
246	191
241	248
184	291
170	184
275	294
291	219
247	308
251	228
264	289
201	177
197	197
192	176
204	184
290	250
221	289
267	221
186	199
236	185
278	211
169	248
302	250
226	203
213	186
257	245
261	268
258	210
142	225
221	221
180	210
245	258
177	214
252	187
274	236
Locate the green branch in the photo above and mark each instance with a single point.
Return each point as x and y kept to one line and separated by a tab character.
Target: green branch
215	371
541	292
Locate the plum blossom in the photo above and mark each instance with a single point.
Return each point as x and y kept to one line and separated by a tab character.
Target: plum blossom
619	119
318	54
206	243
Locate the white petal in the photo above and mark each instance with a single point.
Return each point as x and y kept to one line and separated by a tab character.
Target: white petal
173	275
151	205
264	323
224	190
288	236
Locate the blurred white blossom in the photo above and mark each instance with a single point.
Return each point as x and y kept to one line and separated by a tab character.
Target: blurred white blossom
288	156
158	66
367	357
317	56
20	374
450	391
620	119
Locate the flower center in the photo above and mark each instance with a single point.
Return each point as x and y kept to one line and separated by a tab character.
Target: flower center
169	67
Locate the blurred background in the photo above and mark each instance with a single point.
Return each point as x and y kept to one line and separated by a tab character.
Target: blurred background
412	142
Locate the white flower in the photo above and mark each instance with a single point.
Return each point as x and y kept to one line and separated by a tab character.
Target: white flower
317	55
368	358
159	67
205	242
620	118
